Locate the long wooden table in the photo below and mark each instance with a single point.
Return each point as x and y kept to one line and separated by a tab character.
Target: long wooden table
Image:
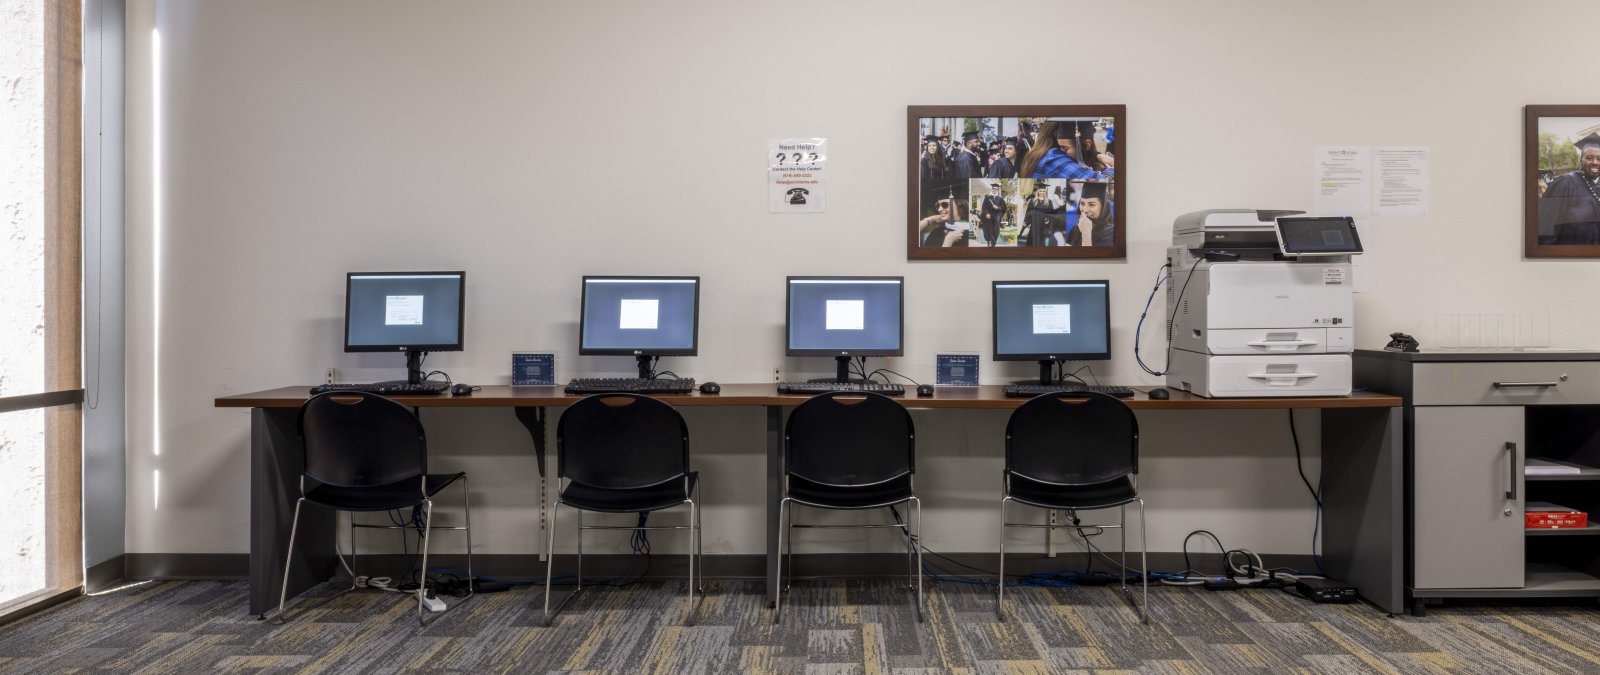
1362	472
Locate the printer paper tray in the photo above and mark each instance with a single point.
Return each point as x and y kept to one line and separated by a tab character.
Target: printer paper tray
1276	341
1287	375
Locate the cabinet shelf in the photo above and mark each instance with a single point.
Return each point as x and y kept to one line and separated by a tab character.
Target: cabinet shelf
1591	529
1584	473
1541	580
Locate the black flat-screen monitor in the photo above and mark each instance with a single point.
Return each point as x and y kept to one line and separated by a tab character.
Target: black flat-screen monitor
409	312
404	311
846	316
1050	321
640	316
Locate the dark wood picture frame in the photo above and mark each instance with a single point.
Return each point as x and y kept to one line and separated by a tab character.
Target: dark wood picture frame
1117	186
1534	192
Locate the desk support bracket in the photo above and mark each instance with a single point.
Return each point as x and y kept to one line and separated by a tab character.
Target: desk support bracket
533	419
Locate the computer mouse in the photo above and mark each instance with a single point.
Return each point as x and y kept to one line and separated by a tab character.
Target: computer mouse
710	388
461	390
1159	394
924	390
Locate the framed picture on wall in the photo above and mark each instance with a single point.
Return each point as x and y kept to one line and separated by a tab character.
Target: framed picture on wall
1024	182
1561	153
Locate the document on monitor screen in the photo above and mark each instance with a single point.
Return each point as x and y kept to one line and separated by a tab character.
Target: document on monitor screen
1052	319
847	315
402	310
639	314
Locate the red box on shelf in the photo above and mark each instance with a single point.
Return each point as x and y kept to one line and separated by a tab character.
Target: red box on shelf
1547	516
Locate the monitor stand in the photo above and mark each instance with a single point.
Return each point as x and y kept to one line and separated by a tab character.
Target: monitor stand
414	373
646	371
1046	376
841	373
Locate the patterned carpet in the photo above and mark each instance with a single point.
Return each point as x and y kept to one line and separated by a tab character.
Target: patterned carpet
828	627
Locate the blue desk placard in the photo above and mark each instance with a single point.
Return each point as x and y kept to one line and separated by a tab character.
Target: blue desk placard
530	368
956	370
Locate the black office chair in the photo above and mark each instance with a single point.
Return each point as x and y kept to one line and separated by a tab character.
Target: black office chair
1074	453
623	453
853	451
364	452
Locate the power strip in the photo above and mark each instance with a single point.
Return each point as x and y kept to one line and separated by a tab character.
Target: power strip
433	604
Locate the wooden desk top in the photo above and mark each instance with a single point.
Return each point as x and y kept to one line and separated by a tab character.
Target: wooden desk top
988	396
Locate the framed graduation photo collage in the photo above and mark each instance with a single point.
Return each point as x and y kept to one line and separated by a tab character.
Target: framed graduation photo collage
1016	182
1561	181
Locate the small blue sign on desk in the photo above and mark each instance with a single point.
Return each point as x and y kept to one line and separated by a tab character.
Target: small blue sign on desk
528	368
956	370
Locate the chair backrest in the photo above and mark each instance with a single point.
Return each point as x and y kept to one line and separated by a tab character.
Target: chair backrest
359	439
621	441
1080	439
848	438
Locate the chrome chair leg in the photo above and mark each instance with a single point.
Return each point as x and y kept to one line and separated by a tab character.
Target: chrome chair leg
1122	513
466	500
694	517
1000	585
700	551
422	581
351	568
911	541
783	531
283	593
789	544
550	559
1144	565
916	541
550	562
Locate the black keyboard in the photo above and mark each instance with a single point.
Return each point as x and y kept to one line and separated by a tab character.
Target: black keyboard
387	388
814	388
1032	390
606	385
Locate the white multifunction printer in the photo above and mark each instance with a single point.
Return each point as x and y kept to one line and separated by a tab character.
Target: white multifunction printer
1261	303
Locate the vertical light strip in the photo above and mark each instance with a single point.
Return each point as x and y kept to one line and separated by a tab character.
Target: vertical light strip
155	260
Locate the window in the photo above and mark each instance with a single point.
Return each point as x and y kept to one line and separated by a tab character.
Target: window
40	302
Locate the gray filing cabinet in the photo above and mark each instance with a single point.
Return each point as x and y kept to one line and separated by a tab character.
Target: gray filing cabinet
1471	422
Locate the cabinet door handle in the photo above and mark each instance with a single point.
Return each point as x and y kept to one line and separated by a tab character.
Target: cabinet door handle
1511	463
1510	385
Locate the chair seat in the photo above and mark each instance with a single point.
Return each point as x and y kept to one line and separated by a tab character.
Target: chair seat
380	497
1095	496
625	500
857	497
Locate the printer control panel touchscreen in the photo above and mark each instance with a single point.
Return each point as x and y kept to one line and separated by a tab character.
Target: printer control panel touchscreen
1317	236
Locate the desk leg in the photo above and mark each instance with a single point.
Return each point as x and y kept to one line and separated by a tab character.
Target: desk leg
1363	502
774	496
533	420
275	457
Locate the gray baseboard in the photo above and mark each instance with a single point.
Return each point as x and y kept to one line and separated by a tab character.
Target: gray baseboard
177	566
180	566
105	574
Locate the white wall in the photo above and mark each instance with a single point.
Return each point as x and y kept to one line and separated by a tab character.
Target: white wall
531	143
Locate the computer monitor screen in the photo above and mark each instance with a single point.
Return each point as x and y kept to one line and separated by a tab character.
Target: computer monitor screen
640	315
1052	320
403	311
846	316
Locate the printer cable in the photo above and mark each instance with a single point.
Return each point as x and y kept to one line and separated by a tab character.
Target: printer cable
1138	333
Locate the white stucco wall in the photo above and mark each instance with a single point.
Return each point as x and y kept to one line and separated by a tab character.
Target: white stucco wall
22	540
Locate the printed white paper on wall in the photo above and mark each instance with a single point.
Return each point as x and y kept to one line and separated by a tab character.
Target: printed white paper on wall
1344	181
796	180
